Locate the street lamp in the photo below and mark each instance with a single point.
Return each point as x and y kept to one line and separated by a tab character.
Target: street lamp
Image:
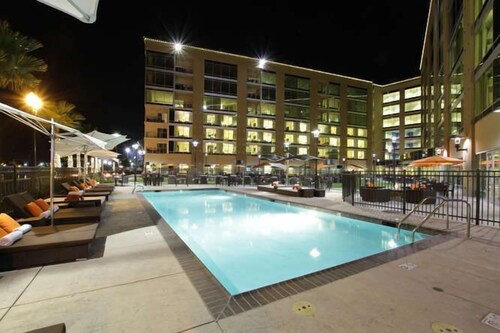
135	146
287	146
195	144
374	158
33	101
315	133
392	150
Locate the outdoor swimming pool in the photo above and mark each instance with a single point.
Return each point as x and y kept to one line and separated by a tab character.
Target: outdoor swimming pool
248	243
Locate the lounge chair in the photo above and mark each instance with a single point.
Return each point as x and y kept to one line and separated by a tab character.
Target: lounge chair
49	245
66	187
19	201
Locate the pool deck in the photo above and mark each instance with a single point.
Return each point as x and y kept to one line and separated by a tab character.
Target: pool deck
139	284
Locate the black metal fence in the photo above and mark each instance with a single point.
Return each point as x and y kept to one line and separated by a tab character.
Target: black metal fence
34	180
401	191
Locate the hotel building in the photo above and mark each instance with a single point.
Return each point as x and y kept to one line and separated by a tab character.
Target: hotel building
461	80
205	108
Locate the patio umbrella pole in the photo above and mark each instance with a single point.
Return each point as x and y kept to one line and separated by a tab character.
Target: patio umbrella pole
52	154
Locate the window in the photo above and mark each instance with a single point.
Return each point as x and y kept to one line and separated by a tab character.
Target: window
268	109
350	143
412	143
159	97
159	60
228	148
216	86
351	131
183	131
361	154
219	103
302	139
413	92
411	132
219	69
362	132
390	122
303	127
361	143
303	150
484	37
335	142
268	78
413	119
228	135
268	124
253	122
161	79
161	132
268	137
350	153
289	138
390	109
356	119
329	89
413	106
391	97
211	133
296	82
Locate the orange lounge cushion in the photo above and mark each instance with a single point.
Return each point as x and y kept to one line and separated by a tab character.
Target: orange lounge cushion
92	182
34	209
3	233
42	204
74	189
7	223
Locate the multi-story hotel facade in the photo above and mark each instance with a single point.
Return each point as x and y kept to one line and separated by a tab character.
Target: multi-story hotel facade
205	107
461	80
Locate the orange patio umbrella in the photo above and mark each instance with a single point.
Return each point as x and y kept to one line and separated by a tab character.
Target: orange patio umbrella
436	161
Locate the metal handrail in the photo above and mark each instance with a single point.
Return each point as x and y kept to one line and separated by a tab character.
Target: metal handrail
444	201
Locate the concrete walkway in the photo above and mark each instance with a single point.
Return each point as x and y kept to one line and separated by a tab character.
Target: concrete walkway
138	285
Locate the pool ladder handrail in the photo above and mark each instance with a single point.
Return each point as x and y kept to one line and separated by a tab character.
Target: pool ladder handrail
428	216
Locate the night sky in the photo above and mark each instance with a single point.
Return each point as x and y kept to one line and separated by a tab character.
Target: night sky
100	67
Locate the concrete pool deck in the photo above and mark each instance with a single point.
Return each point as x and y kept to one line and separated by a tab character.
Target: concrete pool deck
139	285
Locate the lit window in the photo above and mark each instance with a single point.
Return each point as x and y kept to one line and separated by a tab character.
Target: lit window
268	123
391	97
390	122
351	131
228	135
302	139
413	92
350	142
362	132
413	119
361	155
303	127
361	143
183	131
289	138
350	153
334	142
413	106
390	109
303	150
267	137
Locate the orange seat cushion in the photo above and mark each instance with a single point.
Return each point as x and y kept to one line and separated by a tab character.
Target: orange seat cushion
3	233
73	197
7	223
42	204
34	209
74	189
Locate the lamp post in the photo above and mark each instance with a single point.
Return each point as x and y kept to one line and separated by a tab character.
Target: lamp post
374	158
135	146
287	146
33	101
195	144
393	152
315	133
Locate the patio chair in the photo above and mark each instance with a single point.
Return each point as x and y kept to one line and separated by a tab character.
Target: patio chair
17	202
89	190
66	188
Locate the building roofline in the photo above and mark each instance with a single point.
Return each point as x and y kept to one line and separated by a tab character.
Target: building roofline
269	61
425	35
397	82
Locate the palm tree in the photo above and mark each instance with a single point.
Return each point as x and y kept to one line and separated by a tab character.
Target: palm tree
17	66
63	113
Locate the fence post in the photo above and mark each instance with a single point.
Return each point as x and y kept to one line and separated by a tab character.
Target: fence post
353	186
404	191
14	177
478	195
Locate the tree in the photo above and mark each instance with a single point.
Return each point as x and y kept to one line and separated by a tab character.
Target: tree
17	66
63	113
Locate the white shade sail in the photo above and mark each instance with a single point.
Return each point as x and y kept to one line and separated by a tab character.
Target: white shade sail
112	140
84	10
103	154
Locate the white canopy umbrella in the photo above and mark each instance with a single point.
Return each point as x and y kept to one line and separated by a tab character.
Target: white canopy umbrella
65	132
84	10
112	140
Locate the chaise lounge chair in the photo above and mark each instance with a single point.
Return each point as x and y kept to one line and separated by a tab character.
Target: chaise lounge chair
66	187
19	201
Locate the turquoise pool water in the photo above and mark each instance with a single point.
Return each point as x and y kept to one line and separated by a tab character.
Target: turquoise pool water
248	243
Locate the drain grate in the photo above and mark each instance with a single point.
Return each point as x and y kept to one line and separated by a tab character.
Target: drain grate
492	320
304	308
440	327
